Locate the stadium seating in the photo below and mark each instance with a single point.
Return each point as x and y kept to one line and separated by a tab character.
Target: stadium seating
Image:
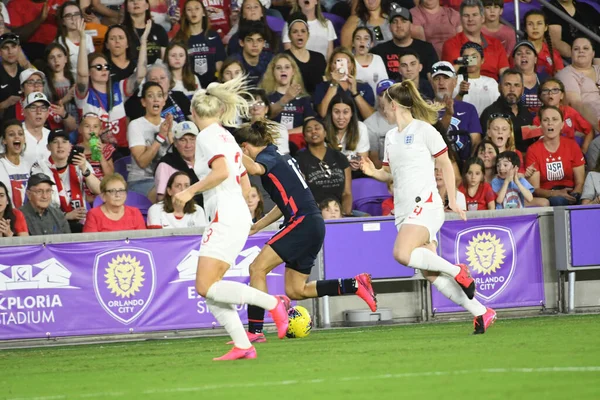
276	24
368	194
122	166
134	199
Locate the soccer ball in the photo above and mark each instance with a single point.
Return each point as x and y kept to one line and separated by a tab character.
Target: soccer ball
300	322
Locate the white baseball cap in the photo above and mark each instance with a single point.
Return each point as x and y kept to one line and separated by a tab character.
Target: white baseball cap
184	128
34	98
27	74
443	68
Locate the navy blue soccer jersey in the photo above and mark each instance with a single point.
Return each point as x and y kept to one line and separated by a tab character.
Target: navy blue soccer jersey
285	184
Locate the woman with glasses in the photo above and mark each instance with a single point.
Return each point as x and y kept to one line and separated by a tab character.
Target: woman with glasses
558	163
68	35
552	93
310	63
372	15
96	93
113	215
137	15
289	103
326	170
14	170
169	215
225	185
341	77
413	150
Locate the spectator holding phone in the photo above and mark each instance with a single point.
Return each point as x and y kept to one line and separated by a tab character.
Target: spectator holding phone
558	163
69	171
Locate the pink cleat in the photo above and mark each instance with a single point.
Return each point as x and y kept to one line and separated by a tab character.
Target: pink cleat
465	281
280	315
481	323
364	290
237	354
254	338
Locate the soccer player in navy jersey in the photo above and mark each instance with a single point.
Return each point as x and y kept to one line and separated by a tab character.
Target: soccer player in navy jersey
300	239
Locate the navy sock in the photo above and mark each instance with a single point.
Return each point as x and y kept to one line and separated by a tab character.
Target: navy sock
256	319
336	287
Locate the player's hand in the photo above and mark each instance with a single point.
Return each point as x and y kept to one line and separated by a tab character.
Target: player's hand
181	198
367	166
454	207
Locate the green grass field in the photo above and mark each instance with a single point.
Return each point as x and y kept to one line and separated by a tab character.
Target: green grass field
533	358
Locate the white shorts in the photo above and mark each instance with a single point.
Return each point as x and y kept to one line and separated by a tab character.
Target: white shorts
224	241
429	215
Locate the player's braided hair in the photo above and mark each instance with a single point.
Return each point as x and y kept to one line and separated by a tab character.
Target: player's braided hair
258	133
546	36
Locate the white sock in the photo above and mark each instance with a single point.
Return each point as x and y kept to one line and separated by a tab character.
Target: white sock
229	319
449	288
237	293
422	258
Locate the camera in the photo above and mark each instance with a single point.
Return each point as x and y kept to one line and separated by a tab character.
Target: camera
466	61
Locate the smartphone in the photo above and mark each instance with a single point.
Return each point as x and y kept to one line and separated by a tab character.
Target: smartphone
341	66
74	151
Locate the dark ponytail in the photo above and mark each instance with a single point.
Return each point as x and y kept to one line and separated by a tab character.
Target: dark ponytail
258	133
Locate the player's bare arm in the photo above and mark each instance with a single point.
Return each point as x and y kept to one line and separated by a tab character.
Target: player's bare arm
382	174
252	166
218	173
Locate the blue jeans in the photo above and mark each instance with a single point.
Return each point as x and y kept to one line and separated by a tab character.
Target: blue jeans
142	186
558	201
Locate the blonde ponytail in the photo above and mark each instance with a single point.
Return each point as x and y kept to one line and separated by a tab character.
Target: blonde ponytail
406	95
226	101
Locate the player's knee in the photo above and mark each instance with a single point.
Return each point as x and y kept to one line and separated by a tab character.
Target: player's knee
402	256
257	271
295	293
202	287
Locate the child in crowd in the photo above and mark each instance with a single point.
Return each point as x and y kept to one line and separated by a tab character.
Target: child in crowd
256	203
511	190
330	208
477	191
182	77
493	27
97	153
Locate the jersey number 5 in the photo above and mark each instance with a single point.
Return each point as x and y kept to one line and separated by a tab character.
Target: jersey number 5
297	171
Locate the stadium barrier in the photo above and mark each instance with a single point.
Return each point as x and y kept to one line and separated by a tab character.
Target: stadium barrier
142	281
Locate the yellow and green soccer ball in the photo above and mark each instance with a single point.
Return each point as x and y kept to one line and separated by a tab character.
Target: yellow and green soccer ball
300	322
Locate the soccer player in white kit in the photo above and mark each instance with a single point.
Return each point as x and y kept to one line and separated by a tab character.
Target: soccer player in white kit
411	150
224	183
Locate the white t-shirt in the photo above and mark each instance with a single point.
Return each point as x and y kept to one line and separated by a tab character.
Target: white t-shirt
319	37
180	88
43	166
482	92
372	73
378	127
74	50
410	155
5	14
159	219
362	146
35	150
142	132
15	179
283	141
214	142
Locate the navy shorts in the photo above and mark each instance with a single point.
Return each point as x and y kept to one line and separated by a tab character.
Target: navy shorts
299	242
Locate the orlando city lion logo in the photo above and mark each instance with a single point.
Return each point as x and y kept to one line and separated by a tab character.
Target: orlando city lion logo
485	253
124	276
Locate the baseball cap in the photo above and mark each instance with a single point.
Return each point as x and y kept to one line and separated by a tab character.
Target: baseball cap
382	86
57	133
397	11
35	97
524	43
27	74
184	128
36	179
443	68
9	38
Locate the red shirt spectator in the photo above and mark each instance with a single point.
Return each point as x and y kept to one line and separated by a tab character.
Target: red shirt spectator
484	195
97	221
547	65
574	122
387	206
494	54
20	223
456	3
23	12
218	14
556	169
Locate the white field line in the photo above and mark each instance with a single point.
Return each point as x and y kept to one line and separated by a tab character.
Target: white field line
319	381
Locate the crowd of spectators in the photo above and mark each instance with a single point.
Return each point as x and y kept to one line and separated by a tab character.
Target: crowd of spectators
95	100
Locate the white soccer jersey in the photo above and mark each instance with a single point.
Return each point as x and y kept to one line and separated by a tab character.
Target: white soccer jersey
410	155
159	219
214	142
15	178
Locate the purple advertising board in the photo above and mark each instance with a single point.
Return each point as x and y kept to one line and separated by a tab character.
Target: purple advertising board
111	287
584	236
504	257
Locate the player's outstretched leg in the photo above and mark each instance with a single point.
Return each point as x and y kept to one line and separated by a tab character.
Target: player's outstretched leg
484	317
360	285
229	319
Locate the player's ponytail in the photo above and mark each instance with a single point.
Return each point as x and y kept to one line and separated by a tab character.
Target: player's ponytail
225	101
258	133
406	95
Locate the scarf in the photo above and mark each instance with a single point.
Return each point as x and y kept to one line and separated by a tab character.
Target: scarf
76	194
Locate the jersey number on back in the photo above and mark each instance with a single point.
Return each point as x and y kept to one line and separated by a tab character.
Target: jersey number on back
295	168
238	155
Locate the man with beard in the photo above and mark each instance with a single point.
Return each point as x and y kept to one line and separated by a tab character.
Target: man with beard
508	106
459	119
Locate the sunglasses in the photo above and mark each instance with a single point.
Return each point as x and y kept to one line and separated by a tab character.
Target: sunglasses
325	169
100	67
498	115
